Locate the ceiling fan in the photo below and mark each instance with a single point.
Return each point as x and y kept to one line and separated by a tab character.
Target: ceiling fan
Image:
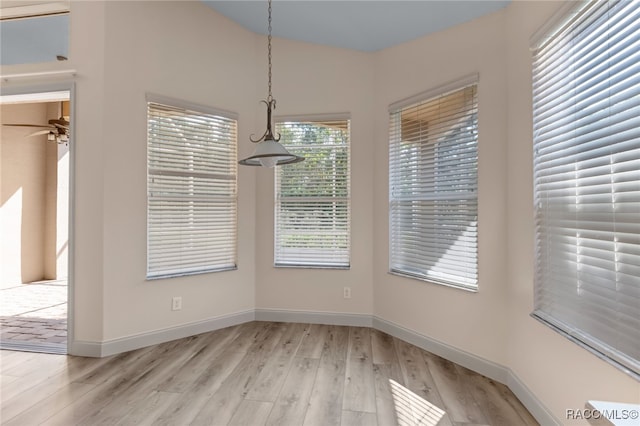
57	130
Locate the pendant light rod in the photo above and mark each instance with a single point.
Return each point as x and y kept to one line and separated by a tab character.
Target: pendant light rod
269	152
269	102
268	135
269	98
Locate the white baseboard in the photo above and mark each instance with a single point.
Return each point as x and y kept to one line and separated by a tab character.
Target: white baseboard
308	317
473	362
115	346
529	400
83	348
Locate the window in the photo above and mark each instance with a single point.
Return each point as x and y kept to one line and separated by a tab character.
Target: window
586	96
433	186
312	197
34	32
191	189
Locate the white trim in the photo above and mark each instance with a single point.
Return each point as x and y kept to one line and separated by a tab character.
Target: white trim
313	117
35	10
33	92
309	317
443	89
71	258
39	75
84	348
129	343
531	402
39	91
565	14
473	362
29	98
180	103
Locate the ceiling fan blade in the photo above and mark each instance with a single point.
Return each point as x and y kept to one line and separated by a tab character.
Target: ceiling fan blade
31	125
61	122
39	132
61	126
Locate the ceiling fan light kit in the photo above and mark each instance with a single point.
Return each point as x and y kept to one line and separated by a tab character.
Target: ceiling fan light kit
57	130
269	152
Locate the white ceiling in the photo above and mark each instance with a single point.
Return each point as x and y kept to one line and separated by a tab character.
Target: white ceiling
366	25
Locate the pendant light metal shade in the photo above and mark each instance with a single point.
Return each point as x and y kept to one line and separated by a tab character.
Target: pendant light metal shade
269	152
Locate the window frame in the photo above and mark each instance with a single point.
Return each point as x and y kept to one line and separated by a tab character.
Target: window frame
310	119
415	101
180	107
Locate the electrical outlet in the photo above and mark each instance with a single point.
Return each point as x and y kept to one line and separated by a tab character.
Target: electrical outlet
347	293
176	303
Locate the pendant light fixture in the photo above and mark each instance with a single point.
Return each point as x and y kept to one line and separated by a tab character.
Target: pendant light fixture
269	152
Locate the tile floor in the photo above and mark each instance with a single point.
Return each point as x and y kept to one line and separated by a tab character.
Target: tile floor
34	313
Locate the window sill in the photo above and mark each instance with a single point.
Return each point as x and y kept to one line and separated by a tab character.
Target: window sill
440	283
547	321
336	267
188	274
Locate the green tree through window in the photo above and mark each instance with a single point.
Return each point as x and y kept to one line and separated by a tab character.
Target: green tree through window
312	197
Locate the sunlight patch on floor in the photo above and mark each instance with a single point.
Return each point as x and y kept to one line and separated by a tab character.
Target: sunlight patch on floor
411	409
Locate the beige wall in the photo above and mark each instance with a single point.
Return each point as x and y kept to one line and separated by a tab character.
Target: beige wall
474	322
23	194
62	166
50	201
319	80
493	323
57	205
186	51
34	224
122	50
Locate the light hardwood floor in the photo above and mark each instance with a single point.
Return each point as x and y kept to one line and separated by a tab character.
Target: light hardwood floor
258	373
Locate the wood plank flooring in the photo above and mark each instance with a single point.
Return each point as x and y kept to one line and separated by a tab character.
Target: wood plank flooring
258	373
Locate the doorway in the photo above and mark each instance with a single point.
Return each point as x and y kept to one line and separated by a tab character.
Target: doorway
35	167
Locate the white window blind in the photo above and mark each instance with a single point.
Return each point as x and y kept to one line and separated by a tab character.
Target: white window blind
312	206
191	190
433	187
586	94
